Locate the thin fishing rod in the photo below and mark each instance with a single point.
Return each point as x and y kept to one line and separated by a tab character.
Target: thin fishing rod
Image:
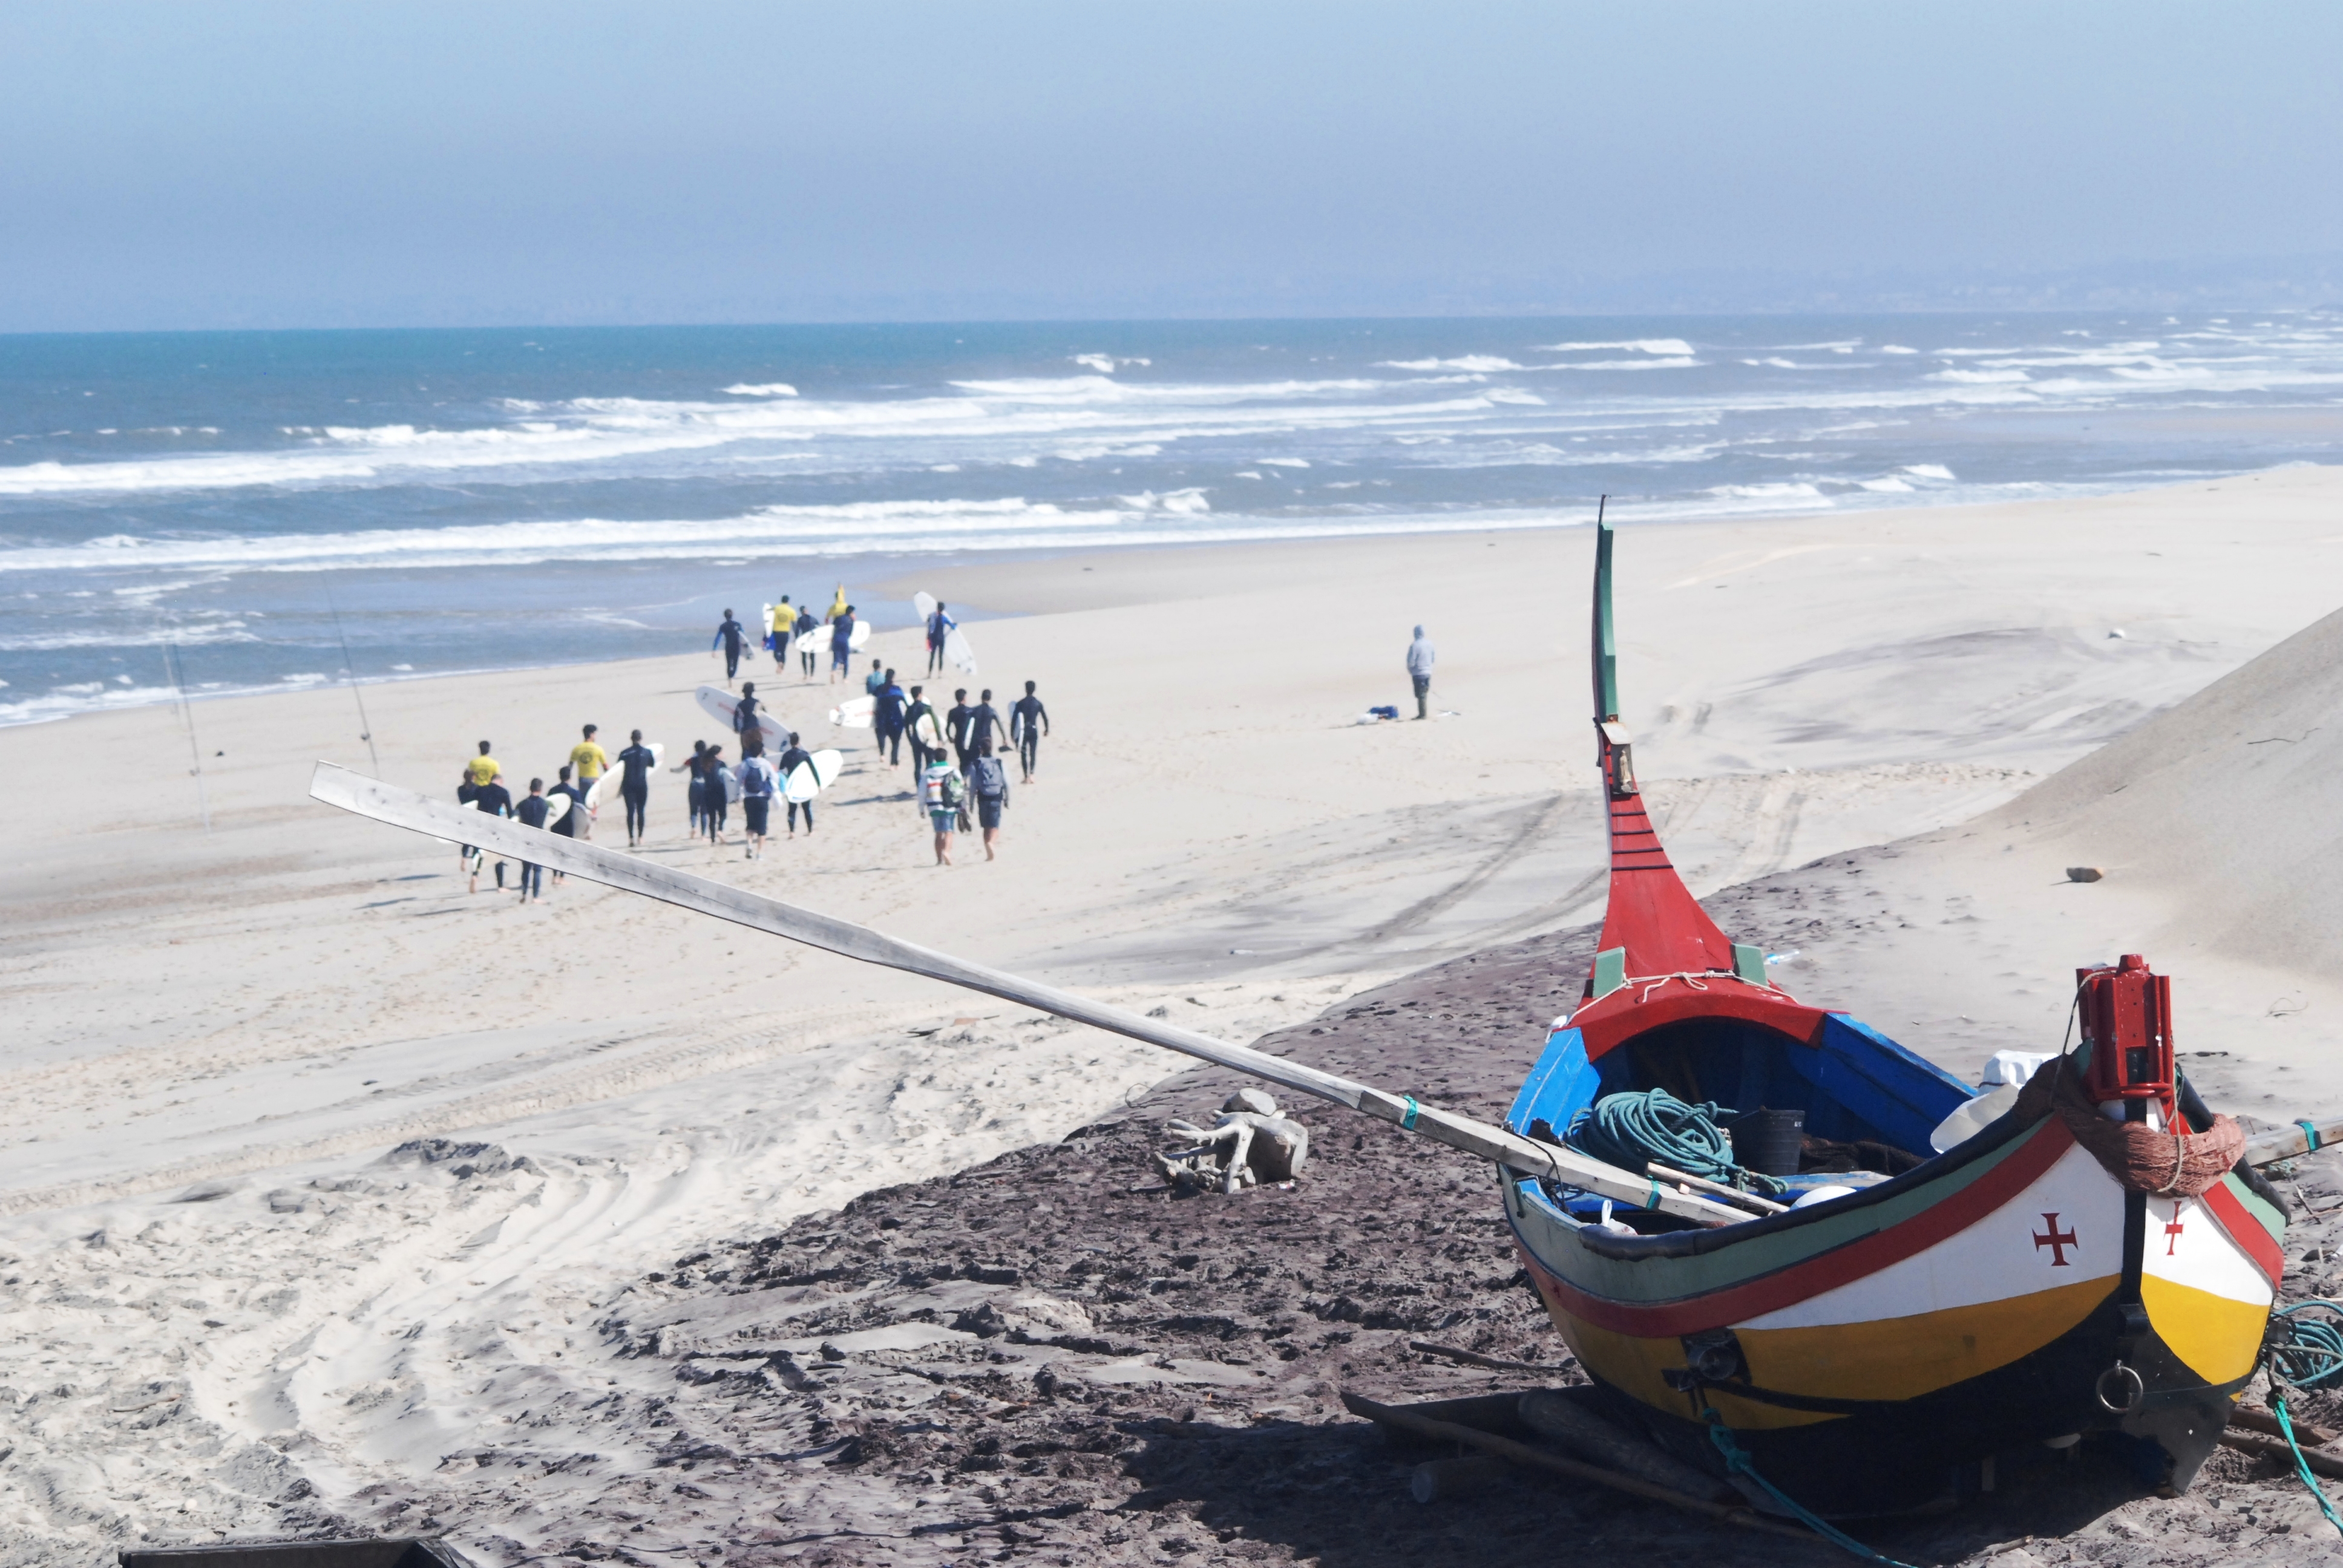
365	726
187	716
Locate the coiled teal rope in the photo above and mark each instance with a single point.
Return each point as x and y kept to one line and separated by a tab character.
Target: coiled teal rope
2305	1353
2310	1353
1632	1129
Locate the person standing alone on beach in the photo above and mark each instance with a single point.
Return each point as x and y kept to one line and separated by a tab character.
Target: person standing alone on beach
587	762
1420	657
731	636
635	787
989	782
1028	722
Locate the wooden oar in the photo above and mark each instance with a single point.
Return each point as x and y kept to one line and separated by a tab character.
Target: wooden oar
2297	1139
405	809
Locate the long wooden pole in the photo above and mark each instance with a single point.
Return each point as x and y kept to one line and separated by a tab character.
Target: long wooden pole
338	786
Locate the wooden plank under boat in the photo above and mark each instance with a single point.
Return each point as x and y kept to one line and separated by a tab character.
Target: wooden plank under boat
1869	1350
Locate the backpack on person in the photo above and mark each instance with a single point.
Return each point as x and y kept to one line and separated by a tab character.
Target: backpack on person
941	790
991	779
756	779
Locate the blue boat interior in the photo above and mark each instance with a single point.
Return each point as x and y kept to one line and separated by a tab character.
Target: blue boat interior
1854	1085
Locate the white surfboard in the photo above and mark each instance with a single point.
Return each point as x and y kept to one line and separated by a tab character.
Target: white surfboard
858	636
925	603
557	807
812	776
606	783
719	705
731	784
855	713
956	648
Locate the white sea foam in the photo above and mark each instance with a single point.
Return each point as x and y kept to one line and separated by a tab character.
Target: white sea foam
763	389
1283	462
1480	364
1107	364
1979	378
1623	364
1675	346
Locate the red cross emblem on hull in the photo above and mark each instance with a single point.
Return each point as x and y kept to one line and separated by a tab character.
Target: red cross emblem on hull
2172	1231
2057	1240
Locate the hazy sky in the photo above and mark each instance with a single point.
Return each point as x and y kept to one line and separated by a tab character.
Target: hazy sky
226	164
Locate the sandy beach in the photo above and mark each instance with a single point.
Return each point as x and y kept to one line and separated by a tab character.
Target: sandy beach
323	1180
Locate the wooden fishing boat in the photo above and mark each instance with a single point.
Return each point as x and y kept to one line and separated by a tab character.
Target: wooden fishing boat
1876	1350
2097	1259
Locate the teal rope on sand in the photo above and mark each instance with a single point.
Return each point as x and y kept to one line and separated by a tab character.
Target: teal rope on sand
2307	1352
1737	1460
1631	1130
2302	1465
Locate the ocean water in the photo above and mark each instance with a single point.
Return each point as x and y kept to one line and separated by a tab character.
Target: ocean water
441	500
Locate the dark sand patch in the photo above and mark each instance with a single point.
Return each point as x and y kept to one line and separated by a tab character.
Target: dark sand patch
1047	1359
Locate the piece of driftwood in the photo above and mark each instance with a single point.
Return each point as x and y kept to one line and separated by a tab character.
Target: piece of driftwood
1444	1480
1475	1358
2257	1420
1568	1422
2321	1461
1530	1458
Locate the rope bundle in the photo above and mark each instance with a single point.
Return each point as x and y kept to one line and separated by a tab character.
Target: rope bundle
1631	1130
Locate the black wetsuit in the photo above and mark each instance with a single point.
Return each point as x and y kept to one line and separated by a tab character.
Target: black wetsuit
796	757
983	724
568	826
1028	722
635	787
732	634
911	717
497	801
887	718
956	731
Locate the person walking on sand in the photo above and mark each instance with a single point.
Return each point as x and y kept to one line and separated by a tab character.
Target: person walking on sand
956	728
636	763
1028	722
785	623
587	762
1420	657
696	766
793	758
940	626
989	782
532	813
984	726
941	792
887	718
718	788
758	785
873	682
731	636
841	645
808	624
926	730
573	815
478	772
496	800
744	711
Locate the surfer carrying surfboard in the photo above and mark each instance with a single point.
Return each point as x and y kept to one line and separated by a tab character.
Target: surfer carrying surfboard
781	622
940	628
532	813
887	718
795	757
926	734
495	800
842	644
588	761
807	625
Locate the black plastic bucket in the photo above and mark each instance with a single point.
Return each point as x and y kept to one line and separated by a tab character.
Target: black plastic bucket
1767	1141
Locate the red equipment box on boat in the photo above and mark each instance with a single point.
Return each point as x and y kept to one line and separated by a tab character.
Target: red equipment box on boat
2127	1016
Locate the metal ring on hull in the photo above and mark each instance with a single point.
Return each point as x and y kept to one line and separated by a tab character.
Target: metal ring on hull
2124	1376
